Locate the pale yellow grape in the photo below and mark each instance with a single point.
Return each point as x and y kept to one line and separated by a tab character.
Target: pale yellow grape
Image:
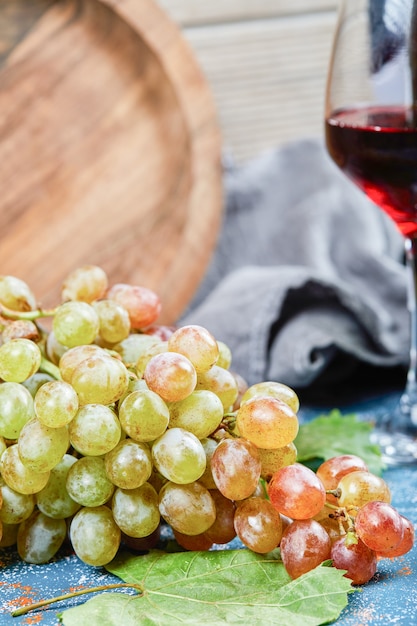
197	344
100	379
275	389
129	464
19	359
87	482
9	535
188	509
40	537
225	355
144	416
95	535
95	430
86	284
18	476
54	500
75	324
267	421
56	403
275	458
20	329
179	456
41	447
114	321
16	408
15	294
171	375
136	511
200	413
71	359
206	479
221	382
16	506
134	346
144	358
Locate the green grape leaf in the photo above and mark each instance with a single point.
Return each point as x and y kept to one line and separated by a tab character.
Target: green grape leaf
212	588
334	433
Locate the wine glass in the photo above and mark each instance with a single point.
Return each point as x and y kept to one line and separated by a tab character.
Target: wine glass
371	134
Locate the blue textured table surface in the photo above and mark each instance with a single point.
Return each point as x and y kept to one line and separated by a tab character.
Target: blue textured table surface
389	598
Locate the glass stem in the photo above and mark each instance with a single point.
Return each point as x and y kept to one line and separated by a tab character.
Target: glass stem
409	397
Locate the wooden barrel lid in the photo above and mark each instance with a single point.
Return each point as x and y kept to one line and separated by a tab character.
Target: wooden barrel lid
110	148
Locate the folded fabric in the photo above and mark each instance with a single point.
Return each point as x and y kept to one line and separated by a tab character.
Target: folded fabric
307	284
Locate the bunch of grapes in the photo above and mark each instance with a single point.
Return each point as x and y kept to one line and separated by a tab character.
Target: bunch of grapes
112	425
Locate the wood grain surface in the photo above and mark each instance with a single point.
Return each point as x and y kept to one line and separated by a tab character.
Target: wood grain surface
109	145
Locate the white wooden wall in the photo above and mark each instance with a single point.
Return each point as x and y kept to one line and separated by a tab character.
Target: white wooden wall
266	62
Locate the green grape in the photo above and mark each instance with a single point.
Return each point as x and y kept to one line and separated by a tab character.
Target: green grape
87	482
188	509
41	447
332	470
274	389
142	304
54	500
267	421
16	408
56	403
171	375
95	535
273	459
75	324
17	475
95	430
221	382
15	294
135	384
129	464
206	478
100	380
236	468
71	359
53	349
258	525
40	537
33	383
136	511
19	359
144	416
179	456
197	344
16	507
134	346
200	413
114	321
86	284
9	535
225	355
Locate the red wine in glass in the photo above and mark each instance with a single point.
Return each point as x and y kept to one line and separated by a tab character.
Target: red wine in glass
377	148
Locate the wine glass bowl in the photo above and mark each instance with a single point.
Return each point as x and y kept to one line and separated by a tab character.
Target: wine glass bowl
371	135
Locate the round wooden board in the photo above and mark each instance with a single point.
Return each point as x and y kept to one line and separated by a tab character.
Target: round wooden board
110	148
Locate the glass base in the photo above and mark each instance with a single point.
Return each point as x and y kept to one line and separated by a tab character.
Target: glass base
396	448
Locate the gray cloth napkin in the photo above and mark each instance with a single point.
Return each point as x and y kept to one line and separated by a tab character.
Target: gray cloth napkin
307	284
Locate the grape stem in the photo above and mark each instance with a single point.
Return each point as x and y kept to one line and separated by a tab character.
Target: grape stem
25	315
37	605
49	368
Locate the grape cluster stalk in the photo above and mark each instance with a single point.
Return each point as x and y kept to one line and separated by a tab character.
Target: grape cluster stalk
112	425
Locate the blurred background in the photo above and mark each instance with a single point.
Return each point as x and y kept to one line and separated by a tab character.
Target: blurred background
266	63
